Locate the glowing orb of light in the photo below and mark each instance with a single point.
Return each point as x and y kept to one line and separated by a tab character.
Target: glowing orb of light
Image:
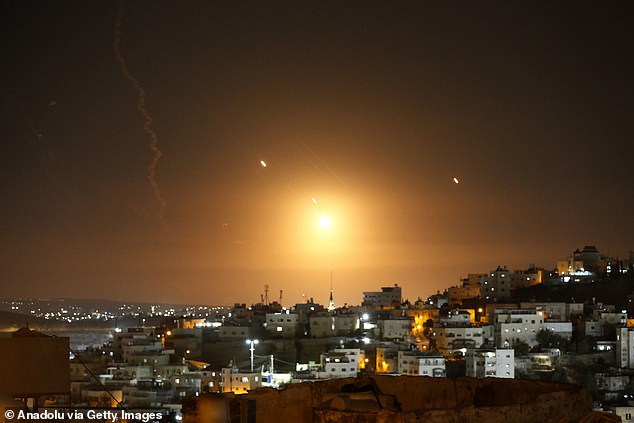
263	163
456	180
325	222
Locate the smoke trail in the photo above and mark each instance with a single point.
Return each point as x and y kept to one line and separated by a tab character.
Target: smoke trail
147	124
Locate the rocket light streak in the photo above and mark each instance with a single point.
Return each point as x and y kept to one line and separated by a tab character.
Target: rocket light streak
147	124
456	180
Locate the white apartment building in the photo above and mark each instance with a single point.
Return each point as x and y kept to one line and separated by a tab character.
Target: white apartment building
338	364
490	363
416	364
511	325
355	356
524	326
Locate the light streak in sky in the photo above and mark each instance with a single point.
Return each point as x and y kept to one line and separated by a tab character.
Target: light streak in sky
147	124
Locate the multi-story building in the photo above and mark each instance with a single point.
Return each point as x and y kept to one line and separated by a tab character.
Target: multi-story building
95	396
563	329
148	393
133	335
185	341
512	325
625	348
233	333
338	364
556	311
210	380
457	318
386	359
473	280
324	325
592	328
610	317
449	339
144	350
395	329
186	384
390	296
355	355
418	364
457	294
239	383
490	363
582	264
529	277
283	324
496	285
612	382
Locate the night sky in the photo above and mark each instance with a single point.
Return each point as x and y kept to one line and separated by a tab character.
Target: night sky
370	108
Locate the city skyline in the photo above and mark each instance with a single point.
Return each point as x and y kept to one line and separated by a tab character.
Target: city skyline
407	144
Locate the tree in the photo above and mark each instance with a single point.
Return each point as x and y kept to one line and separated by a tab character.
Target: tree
428	328
520	347
548	339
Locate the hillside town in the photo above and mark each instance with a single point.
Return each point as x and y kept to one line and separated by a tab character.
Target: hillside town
551	325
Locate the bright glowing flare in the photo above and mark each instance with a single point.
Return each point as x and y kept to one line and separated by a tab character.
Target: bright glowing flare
325	222
456	180
263	163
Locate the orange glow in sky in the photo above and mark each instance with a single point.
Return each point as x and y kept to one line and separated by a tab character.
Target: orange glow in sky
325	222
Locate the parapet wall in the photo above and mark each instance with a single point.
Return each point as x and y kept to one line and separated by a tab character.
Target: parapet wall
413	399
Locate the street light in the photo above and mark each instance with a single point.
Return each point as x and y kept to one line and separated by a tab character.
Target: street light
253	343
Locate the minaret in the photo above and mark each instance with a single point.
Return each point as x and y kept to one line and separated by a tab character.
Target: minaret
331	303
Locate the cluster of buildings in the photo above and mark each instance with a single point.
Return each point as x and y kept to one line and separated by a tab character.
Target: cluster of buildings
76	311
475	329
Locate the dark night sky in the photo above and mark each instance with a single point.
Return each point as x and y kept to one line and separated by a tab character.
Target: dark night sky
372	108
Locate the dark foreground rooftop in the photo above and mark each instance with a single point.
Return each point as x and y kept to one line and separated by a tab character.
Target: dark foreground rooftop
400	399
